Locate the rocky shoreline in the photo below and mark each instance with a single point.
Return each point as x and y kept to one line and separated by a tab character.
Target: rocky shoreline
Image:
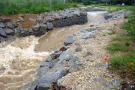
63	61
40	25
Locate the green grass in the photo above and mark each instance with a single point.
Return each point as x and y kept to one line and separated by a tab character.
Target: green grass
120	62
122	51
30	6
117	47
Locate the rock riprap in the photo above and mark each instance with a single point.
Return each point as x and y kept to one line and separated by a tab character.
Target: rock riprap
44	22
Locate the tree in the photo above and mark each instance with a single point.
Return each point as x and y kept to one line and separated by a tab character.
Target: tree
87	2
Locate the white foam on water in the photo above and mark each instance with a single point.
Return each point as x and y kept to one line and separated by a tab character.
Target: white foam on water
19	63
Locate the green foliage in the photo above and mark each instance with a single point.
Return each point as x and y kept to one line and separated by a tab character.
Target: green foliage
117	47
87	2
31	6
118	62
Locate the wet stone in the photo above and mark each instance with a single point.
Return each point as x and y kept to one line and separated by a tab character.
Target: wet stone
69	40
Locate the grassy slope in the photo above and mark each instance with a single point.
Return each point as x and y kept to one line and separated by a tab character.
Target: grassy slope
122	47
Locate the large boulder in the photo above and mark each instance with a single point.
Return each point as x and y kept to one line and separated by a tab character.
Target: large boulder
69	40
3	33
51	77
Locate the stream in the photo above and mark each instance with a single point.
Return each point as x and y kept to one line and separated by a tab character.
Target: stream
20	59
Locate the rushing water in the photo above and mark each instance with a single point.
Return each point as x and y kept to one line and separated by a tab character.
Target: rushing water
18	60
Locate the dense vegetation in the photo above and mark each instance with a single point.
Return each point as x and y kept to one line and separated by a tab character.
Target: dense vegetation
32	6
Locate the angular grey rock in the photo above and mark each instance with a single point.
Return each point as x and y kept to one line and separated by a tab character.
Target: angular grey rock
32	19
85	30
9	25
39	19
9	31
72	60
32	88
57	53
51	77
106	65
49	64
103	81
49	26
77	13
36	27
64	55
107	16
5	19
21	19
117	82
49	19
2	33
49	59
89	34
2	25
42	71
69	40
43	28
43	86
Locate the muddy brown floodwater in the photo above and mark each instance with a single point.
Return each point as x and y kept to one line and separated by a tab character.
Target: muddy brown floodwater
56	37
19	62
